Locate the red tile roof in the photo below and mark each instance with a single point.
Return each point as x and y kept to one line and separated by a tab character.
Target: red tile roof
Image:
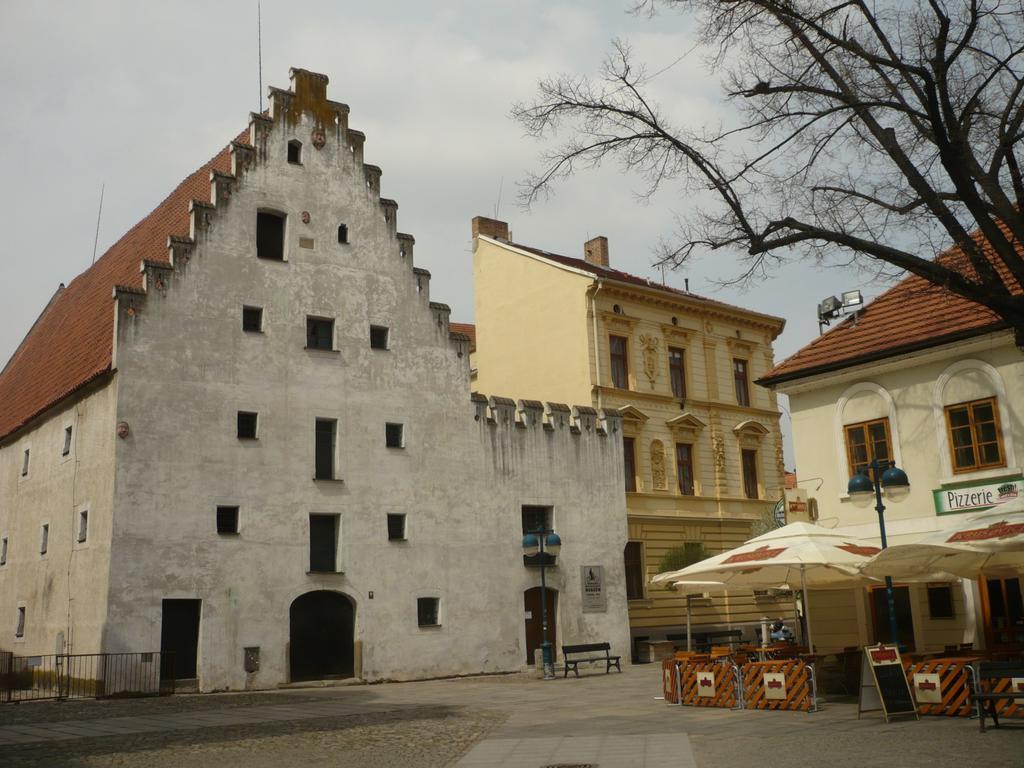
468	329
71	342
914	314
607	273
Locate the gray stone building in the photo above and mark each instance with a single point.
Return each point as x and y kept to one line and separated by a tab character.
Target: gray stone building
246	426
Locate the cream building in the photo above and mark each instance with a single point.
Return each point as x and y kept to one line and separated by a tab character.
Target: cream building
936	384
702	447
246	437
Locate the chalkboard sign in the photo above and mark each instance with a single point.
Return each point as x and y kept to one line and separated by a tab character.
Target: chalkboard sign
883	683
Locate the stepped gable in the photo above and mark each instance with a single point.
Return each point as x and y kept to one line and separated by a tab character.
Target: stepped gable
914	314
71	343
466	329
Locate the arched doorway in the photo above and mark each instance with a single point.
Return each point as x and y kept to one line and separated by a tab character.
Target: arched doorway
322	631
534	623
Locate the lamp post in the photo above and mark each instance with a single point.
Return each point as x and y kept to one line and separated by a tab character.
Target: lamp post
894	481
541	542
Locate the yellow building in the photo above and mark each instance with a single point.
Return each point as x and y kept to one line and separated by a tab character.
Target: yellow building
703	451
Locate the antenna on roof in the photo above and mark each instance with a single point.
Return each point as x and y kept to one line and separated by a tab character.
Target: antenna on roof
497	205
99	213
259	48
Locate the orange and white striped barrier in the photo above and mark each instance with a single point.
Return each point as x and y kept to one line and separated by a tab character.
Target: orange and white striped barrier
783	684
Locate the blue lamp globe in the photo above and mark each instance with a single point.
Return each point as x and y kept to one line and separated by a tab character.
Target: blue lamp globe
552	544
896	483
531	544
860	484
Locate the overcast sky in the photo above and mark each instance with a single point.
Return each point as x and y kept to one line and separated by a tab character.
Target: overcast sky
136	95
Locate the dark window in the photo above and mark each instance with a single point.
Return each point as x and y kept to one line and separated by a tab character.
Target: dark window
975	436
24	463
394	436
44	538
3	551
396	527
749	460
246	425
67	441
326	431
866	441
319	333
427	609
633	555
940	601
378	337
684	468
252	319
19	630
83	526
227	519
295	151
677	372
739	376
270	236
343	233
629	462
619	357
323	543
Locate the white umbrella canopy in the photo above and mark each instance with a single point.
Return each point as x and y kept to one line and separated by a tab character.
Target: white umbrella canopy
989	542
796	556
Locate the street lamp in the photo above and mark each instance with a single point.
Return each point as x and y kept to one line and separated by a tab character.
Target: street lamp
541	542
896	485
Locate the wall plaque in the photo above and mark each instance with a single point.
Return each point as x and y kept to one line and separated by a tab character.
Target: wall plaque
594	598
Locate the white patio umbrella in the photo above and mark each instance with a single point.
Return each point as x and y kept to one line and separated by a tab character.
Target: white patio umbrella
989	542
796	556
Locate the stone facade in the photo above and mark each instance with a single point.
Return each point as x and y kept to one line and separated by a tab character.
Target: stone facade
460	470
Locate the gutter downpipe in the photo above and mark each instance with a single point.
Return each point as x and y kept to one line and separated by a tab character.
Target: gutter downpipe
597	354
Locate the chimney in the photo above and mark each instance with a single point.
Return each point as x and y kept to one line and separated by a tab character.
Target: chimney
596	251
490	227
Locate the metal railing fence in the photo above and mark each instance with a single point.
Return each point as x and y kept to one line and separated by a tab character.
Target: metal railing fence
85	675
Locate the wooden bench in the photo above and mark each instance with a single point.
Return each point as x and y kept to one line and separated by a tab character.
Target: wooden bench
588	648
989	673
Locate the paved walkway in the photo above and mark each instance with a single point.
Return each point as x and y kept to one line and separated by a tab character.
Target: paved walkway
511	722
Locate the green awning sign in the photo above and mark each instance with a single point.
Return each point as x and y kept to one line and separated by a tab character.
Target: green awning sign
977	498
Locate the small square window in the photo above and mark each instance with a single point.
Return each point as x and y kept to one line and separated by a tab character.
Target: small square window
295	152
67	441
247	425
394	436
940	601
83	526
343	233
252	319
24	463
19	630
227	519
44	538
396	527
319	333
378	337
427	611
3	551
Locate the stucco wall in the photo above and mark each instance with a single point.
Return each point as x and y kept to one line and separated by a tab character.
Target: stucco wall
186	368
65	590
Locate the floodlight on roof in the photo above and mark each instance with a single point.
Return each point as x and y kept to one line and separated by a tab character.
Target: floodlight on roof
828	308
852	299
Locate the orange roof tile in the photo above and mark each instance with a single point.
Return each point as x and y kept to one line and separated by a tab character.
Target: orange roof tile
71	343
914	314
468	329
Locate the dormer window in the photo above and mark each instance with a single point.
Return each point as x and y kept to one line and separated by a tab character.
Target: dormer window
295	152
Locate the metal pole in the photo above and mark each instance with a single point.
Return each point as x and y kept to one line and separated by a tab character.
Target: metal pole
545	646
807	609
890	595
689	633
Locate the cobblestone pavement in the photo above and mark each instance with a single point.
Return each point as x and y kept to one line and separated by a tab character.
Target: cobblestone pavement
443	722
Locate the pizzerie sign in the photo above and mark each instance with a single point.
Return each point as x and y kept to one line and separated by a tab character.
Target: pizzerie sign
975	498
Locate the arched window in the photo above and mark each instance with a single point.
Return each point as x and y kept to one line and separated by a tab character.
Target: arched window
295	152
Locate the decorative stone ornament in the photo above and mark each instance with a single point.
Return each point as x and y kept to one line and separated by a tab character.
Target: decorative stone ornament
319	139
305	217
658	465
123	430
649	345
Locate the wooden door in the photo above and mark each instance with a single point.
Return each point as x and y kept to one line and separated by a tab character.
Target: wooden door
179	639
534	628
904	617
1002	606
